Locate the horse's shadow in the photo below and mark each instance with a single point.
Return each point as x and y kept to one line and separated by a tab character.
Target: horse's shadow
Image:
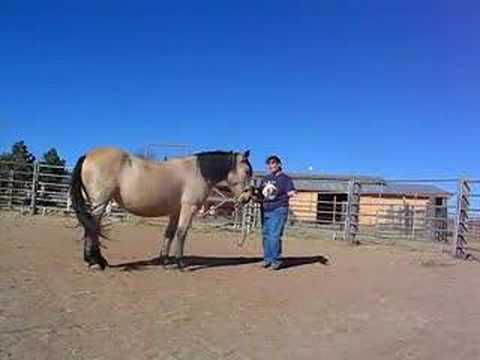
194	263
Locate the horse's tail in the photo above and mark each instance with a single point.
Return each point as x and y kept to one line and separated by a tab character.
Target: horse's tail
79	203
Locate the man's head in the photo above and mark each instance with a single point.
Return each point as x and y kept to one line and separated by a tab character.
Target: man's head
274	164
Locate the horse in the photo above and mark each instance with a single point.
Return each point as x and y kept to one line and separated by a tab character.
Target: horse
176	188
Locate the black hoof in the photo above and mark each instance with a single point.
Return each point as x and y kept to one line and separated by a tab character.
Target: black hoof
180	264
96	267
166	261
95	261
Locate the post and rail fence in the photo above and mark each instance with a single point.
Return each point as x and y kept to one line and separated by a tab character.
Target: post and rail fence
445	211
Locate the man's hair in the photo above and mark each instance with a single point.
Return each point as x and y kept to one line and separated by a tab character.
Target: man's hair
273	158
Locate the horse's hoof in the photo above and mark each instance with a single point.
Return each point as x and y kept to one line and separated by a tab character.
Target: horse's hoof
180	264
96	267
166	262
157	261
95	261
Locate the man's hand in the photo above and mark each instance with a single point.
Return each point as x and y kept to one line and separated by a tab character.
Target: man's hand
291	193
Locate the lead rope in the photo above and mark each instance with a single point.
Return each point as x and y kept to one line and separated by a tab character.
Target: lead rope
248	222
244	231
211	209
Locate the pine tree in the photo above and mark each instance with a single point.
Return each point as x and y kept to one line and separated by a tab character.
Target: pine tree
16	170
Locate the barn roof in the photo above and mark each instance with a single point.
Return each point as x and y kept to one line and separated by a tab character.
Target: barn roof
405	189
371	185
326	182
331	177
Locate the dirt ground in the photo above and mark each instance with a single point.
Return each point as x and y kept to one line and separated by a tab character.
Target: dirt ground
370	302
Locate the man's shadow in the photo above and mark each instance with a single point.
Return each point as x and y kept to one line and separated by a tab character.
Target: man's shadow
194	263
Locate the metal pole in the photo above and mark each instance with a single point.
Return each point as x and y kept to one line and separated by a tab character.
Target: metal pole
69	202
33	203
353	209
414	212
461	228
184	148
334	220
431	214
11	178
457	219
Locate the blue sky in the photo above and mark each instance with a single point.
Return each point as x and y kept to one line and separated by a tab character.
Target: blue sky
360	87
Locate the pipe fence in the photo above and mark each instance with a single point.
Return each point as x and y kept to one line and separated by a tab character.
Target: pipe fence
445	211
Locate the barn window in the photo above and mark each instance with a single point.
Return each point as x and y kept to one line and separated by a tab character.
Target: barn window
331	208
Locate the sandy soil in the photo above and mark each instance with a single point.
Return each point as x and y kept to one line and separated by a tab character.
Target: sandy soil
369	302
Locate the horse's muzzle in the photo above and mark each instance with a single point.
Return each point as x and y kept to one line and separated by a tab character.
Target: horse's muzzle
251	194
244	197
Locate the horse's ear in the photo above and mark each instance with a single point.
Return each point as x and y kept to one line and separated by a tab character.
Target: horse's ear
246	154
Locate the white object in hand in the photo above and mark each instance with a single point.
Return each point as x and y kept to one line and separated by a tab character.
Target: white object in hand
270	191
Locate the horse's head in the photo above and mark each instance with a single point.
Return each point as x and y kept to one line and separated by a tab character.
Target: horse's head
240	177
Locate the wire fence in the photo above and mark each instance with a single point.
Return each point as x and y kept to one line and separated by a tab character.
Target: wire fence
445	211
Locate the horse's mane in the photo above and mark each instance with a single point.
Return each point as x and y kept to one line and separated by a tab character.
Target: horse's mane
215	165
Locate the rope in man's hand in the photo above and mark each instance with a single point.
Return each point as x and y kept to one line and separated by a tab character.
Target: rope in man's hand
256	198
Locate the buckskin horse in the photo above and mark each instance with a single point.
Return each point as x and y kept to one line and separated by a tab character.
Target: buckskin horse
176	188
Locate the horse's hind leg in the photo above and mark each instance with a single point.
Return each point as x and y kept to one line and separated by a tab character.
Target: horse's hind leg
168	238
91	245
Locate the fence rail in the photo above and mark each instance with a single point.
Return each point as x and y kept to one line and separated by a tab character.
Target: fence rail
440	210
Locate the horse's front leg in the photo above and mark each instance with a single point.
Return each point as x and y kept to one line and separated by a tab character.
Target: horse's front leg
168	238
185	221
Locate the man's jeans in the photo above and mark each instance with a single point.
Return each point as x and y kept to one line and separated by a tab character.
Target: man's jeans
273	226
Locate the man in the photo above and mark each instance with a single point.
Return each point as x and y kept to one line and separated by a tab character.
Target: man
277	188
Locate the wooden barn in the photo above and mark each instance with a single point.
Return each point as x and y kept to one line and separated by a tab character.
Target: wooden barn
323	200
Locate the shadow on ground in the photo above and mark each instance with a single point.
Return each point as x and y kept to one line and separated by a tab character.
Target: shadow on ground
194	263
